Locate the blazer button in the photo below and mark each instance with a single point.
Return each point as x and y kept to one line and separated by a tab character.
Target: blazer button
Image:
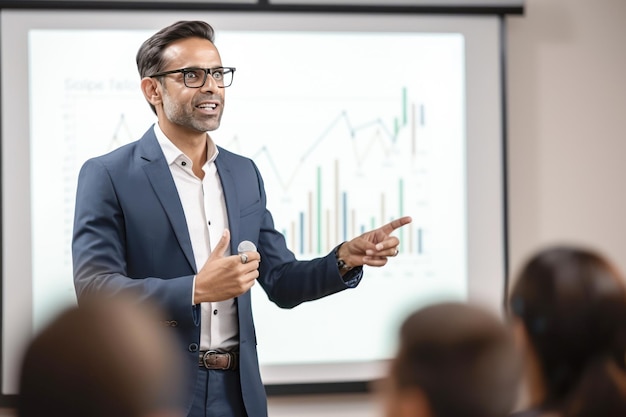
193	347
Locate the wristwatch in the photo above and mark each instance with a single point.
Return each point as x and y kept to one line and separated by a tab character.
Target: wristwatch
341	264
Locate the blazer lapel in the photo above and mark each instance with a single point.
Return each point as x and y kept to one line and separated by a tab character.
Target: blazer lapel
160	177
231	198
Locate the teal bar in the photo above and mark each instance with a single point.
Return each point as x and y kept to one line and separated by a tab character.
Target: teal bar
404	106
401	205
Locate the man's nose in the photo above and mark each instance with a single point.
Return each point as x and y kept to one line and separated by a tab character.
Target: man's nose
210	84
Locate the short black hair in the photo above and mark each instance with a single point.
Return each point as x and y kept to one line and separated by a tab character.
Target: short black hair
462	357
150	53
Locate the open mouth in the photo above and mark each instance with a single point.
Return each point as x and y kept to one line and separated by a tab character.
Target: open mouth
207	106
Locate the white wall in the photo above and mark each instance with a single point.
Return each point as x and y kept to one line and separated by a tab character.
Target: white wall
567	146
567	125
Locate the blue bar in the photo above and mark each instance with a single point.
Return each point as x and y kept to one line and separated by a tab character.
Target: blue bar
419	241
344	215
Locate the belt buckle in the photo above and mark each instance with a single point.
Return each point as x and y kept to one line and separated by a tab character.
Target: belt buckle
211	362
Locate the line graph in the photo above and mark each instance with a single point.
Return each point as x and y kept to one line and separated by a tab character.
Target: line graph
332	163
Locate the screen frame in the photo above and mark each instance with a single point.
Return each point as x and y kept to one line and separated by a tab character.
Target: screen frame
457	7
263	6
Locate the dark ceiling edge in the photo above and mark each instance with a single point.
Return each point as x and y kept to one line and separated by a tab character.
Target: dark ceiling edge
261	6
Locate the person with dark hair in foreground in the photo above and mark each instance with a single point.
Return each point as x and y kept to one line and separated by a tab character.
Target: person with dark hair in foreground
164	217
108	358
453	360
568	306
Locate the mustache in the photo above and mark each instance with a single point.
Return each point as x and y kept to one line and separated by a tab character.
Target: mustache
208	97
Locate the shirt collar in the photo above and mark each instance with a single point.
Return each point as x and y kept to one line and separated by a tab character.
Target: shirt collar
172	153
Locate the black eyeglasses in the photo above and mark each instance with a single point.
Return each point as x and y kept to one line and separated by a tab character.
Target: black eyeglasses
196	77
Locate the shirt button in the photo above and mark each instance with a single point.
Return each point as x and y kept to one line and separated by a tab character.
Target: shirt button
215	312
183	163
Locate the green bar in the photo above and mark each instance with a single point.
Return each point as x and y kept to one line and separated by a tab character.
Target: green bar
404	106
401	205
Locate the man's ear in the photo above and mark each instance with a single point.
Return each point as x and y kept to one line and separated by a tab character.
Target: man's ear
412	402
520	334
151	89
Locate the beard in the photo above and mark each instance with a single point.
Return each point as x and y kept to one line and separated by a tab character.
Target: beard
185	115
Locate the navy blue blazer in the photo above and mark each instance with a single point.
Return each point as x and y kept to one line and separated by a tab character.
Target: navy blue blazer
130	233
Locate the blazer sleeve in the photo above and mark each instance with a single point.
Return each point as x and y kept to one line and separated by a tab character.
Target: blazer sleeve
111	257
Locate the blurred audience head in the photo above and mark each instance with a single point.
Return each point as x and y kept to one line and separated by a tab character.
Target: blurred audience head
568	305
453	360
108	357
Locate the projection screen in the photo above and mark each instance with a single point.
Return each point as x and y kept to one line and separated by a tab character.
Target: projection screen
353	119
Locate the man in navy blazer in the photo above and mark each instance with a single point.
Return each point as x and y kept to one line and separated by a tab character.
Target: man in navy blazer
161	218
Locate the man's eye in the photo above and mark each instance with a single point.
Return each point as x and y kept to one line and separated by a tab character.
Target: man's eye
218	75
191	75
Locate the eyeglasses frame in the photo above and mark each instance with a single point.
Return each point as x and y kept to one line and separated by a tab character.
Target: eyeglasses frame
207	71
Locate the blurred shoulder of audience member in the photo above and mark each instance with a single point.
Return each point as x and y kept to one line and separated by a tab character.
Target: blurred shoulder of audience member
453	360
108	357
568	309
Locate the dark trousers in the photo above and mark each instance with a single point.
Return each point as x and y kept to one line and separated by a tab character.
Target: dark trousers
218	394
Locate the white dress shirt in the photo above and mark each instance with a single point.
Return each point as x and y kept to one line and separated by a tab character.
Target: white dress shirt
205	212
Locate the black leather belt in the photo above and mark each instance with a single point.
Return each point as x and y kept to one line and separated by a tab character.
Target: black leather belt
219	360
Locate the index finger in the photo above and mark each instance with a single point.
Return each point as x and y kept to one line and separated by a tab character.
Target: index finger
396	224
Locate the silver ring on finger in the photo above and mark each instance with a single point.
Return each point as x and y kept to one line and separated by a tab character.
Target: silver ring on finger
244	258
